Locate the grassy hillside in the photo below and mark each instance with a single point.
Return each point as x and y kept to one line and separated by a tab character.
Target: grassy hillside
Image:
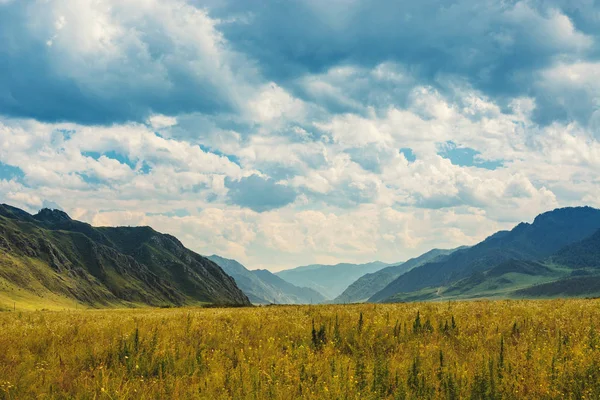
51	261
502	281
573	271
578	286
450	350
584	254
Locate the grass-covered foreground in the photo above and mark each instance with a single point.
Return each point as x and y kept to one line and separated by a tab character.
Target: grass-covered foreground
501	349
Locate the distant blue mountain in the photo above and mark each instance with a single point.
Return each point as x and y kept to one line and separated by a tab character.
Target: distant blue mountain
369	284
263	287
330	280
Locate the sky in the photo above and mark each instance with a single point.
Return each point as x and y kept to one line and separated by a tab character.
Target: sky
285	133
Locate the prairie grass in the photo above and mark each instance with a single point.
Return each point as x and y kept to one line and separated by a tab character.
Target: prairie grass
477	350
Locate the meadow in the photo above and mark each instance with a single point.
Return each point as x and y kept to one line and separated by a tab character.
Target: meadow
476	350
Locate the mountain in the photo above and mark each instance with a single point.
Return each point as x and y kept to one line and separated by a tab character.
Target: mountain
549	232
588	286
572	271
583	260
369	284
49	258
501	281
263	287
330	280
304	295
583	254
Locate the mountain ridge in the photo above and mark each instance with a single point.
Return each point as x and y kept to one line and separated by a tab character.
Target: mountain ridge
549	232
264	287
369	284
50	254
330	280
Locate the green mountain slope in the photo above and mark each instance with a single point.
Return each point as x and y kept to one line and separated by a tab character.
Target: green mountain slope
369	284
572	271
583	260
582	286
48	258
263	287
502	280
548	233
330	280
583	254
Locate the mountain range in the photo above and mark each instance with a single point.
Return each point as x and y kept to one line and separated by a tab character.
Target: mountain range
371	283
263	287
330	280
542	259
50	259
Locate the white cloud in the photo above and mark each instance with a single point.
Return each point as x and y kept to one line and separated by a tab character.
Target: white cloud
554	29
162	121
116	61
350	208
326	122
272	103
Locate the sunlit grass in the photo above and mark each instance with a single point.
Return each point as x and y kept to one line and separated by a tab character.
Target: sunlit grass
493	349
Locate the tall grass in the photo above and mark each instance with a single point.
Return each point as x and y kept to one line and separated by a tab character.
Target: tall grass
476	350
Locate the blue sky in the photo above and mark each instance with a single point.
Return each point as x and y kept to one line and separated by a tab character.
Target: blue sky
288	133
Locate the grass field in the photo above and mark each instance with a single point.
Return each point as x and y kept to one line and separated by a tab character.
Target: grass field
492	350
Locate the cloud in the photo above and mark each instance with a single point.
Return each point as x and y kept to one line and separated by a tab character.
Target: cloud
372	156
326	52
259	194
465	36
572	91
52	205
272	103
126	161
339	176
288	133
161	121
101	63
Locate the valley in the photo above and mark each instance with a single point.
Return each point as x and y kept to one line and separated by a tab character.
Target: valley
437	350
50	261
130	313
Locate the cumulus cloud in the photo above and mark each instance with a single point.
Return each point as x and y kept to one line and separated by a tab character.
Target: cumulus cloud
572	90
299	132
103	62
258	193
495	44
